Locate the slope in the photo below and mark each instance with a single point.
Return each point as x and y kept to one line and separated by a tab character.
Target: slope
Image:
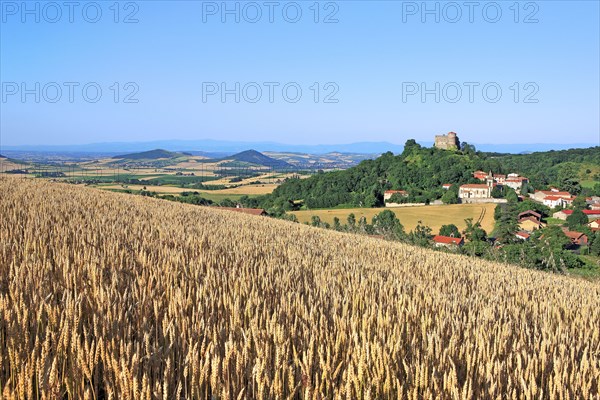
142	298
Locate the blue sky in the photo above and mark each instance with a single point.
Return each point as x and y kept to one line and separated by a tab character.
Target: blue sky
369	69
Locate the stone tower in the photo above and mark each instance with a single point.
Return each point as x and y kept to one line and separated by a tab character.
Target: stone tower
447	142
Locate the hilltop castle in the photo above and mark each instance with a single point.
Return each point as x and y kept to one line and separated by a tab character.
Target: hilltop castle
447	142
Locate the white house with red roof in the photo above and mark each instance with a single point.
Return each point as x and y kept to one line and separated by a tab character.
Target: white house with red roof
448	241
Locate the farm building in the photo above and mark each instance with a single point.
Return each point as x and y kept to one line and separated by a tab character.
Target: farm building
577	238
540	195
448	241
522	235
563	214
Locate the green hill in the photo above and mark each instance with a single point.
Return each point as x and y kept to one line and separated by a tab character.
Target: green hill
257	158
422	171
149	155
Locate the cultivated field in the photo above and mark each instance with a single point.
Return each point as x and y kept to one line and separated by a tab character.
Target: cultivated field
250	190
432	216
106	295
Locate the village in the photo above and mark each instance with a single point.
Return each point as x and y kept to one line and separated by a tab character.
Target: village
561	203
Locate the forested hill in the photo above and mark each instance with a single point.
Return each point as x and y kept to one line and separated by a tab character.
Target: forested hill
553	167
421	171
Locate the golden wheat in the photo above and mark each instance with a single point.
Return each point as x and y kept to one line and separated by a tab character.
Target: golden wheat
112	296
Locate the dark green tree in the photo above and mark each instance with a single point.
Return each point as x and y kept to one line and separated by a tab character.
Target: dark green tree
577	219
351	221
450	197
473	232
595	246
449	230
336	224
387	224
421	235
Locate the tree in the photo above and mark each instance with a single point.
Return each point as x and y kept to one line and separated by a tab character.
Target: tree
315	220
507	224
336	224
449	230
473	232
387	224
576	219
450	197
595	246
351	221
497	192
579	203
421	235
510	194
526	188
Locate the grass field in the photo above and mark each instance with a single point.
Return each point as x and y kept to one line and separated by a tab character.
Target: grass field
432	216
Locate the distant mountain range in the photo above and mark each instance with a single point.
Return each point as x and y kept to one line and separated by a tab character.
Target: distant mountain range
230	147
247	156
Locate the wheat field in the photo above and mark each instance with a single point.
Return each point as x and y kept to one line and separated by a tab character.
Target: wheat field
115	296
432	216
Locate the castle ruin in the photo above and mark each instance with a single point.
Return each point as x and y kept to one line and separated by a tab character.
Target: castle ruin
447	142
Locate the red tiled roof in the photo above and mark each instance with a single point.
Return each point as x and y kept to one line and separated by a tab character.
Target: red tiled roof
516	179
530	212
447	184
522	234
447	240
553	198
573	234
251	211
586	212
553	193
474	186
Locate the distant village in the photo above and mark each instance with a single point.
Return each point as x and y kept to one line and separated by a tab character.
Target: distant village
529	220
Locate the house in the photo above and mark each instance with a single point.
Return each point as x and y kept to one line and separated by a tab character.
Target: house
563	214
446	186
389	193
482	176
475	191
522	235
530	213
448	241
499	178
515	182
530	224
595	225
539	195
577	238
251	211
595	206
554	201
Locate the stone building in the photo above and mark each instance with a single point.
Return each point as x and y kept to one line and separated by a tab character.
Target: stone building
447	142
